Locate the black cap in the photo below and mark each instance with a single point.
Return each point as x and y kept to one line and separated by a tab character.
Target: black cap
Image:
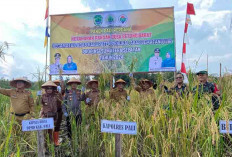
157	50
57	55
202	72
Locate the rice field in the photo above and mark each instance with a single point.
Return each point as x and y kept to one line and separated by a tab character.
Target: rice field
166	127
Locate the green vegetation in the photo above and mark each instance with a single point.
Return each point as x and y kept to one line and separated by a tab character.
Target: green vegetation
167	127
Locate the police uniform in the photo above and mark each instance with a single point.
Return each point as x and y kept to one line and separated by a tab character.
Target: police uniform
22	103
56	68
118	95
207	88
72	105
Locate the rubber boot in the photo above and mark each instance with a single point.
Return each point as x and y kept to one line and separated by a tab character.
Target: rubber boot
56	138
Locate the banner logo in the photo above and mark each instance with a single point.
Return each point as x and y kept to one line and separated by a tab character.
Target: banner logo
123	19
98	19
110	20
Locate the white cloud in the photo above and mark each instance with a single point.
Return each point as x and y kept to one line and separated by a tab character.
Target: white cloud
206	4
213	18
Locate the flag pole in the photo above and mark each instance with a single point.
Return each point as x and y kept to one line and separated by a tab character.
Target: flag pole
47	25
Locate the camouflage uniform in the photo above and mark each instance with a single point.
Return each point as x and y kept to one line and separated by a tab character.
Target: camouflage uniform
207	88
183	90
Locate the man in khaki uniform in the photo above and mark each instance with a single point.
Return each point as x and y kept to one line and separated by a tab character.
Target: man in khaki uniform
119	93
92	99
51	103
22	102
144	88
93	96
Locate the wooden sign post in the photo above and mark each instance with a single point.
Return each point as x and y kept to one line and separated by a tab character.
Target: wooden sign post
38	125
118	128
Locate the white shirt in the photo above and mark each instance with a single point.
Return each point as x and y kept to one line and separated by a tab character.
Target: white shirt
155	63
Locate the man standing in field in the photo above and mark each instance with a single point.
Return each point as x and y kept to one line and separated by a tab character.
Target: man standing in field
72	104
206	87
155	62
22	103
144	88
92	98
51	103
180	88
119	93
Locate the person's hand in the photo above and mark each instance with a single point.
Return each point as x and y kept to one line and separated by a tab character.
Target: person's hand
128	98
88	100
66	114
83	89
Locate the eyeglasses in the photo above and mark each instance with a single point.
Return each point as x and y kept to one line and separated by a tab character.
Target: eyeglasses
179	77
49	88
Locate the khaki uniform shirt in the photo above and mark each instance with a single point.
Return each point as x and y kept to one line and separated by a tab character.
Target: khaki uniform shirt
117	95
94	96
51	103
21	102
144	92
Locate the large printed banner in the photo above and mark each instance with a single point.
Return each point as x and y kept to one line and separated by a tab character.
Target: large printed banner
93	43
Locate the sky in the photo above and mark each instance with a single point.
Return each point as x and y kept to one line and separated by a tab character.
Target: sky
22	23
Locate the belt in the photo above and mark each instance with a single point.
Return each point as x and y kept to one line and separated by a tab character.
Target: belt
20	115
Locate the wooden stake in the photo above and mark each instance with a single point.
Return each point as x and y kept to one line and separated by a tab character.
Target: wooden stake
118	145
40	143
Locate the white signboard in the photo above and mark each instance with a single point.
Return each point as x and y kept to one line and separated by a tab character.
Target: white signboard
37	124
119	127
225	127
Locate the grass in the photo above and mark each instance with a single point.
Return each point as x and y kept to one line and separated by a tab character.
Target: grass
166	127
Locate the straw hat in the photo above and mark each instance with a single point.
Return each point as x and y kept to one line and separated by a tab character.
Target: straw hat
145	80
90	82
74	80
56	81
120	81
13	83
49	84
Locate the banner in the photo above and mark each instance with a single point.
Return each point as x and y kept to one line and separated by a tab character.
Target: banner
93	43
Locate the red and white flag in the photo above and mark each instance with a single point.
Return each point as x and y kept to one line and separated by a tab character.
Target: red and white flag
190	11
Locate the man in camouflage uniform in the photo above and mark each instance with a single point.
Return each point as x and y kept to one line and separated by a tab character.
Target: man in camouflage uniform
22	103
180	89
119	93
206	87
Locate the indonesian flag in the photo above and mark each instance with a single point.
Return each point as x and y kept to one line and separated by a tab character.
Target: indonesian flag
190	11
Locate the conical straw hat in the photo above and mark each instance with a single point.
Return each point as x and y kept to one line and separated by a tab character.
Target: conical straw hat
49	84
74	80
13	83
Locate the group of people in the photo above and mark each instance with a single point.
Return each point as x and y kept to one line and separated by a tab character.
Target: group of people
56	101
